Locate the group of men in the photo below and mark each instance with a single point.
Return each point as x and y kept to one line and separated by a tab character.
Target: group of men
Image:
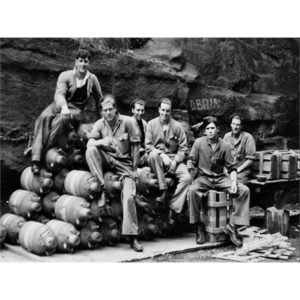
122	144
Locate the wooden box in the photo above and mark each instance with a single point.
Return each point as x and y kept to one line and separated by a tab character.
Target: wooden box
267	163
277	220
289	164
219	208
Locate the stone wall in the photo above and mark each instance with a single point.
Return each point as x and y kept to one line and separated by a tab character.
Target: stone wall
258	77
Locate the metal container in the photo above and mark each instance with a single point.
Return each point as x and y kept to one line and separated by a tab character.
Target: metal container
48	203
40	184
67	236
90	235
59	181
72	209
37	238
3	234
75	159
25	203
82	184
55	159
13	225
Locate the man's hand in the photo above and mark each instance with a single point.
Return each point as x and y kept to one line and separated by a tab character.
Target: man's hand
172	167
65	114
233	190
106	144
190	165
166	160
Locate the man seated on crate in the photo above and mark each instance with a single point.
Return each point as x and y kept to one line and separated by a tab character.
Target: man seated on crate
243	148
138	110
166	145
209	155
73	89
114	145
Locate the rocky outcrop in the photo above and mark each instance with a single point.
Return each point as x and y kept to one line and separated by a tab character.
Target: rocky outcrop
258	77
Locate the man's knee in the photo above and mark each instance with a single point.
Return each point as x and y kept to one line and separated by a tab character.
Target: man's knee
153	155
243	189
186	177
91	152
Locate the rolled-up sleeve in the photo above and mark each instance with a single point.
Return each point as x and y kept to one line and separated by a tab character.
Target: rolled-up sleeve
250	148
134	136
96	131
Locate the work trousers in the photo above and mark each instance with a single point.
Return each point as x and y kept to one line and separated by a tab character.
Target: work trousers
199	190
99	161
48	128
181	173
244	176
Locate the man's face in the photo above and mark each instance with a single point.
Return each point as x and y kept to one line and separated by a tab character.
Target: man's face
164	112
236	126
109	112
138	111
211	130
82	64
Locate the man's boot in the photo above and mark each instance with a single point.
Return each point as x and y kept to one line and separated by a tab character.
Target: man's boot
135	244
200	233
233	235
172	217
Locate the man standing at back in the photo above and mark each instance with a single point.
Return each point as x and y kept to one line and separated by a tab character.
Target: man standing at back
242	145
73	90
114	145
138	109
166	145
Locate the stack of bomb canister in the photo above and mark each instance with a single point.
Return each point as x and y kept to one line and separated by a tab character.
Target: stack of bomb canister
57	210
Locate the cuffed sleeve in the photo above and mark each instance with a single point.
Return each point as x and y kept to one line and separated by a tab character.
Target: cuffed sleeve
96	131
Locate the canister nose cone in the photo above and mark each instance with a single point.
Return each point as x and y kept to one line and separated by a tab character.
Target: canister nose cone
115	234
47	182
95	187
74	240
152	229
96	236
36	206
50	243
78	159
61	160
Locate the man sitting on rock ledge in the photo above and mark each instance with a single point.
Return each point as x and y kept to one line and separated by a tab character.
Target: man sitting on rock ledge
73	90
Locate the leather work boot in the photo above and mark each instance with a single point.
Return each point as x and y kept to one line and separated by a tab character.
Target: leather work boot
102	199
172	217
35	167
136	245
232	232
200	234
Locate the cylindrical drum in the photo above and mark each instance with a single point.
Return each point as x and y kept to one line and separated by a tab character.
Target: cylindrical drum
40	184
37	238
48	203
24	203
90	235
13	225
75	159
82	184
66	235
72	209
55	159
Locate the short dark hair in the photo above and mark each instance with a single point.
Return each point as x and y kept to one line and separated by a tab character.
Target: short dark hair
108	96
236	116
166	101
210	119
83	53
137	101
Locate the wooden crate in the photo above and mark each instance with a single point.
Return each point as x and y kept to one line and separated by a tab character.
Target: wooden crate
289	164
298	162
219	208
267	163
277	220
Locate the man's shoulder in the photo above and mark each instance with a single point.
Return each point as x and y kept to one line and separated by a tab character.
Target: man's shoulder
144	122
227	135
247	135
154	121
67	74
200	140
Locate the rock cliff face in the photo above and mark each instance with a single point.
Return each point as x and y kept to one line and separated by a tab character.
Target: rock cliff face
258	77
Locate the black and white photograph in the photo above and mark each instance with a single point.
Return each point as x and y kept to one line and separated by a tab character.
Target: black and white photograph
143	149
